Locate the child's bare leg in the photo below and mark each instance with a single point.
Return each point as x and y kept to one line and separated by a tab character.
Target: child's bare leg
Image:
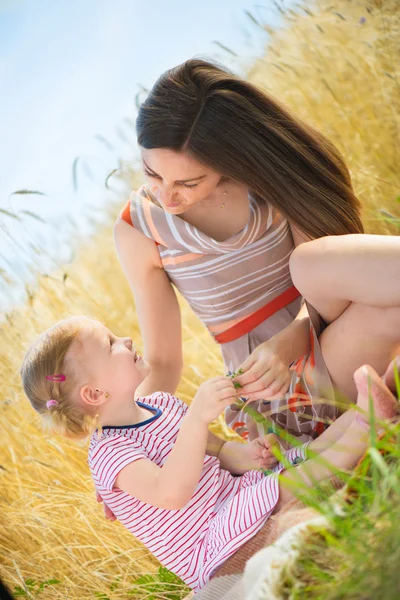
348	449
333	433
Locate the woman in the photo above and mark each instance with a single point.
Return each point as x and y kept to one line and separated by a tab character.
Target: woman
233	183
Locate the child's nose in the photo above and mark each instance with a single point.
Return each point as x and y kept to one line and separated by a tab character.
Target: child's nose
128	342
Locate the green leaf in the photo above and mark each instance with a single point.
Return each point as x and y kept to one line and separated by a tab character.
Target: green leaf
33	215
110	175
378	461
225	48
9	214
396	379
159	583
253	19
47	583
19	592
115	584
23	192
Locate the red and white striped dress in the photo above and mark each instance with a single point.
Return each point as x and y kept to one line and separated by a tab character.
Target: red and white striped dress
224	512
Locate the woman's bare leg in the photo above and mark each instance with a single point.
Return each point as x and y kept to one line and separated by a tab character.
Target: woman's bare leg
351	445
353	281
338	427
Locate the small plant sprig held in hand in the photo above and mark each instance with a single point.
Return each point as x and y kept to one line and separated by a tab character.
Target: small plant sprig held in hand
241	401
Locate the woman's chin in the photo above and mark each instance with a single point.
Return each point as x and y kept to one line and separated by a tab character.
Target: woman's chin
174	209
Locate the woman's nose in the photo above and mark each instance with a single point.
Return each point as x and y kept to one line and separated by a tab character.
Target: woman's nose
163	194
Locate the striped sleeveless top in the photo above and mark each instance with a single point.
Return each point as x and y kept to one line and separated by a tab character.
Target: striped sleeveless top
232	286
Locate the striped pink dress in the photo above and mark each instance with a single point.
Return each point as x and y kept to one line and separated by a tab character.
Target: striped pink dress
224	512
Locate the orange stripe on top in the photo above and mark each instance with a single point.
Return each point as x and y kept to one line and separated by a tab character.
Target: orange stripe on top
179	259
150	223
251	322
125	214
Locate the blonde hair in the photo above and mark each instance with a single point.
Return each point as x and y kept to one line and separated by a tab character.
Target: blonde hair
47	357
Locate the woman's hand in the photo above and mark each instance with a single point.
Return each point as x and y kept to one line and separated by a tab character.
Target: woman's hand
265	375
260	451
107	510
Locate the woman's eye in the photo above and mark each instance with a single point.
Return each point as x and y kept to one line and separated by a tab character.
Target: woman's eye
186	185
149	174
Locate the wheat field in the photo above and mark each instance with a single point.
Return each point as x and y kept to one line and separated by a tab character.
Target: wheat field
334	64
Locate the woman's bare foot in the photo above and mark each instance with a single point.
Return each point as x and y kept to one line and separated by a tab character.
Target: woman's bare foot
386	406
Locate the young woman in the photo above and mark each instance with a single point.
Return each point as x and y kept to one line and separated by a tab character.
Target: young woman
233	183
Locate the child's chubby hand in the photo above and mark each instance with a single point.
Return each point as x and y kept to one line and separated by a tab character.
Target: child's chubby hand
212	397
260	451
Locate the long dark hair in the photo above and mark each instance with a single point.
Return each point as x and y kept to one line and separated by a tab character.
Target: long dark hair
230	125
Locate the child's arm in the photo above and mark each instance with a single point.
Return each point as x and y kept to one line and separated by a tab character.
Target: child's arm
173	485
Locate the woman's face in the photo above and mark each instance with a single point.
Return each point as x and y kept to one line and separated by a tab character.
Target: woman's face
177	180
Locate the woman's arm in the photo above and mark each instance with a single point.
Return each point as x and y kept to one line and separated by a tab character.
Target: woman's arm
266	371
157	308
294	341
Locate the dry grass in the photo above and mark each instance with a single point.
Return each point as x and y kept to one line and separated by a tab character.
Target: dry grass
51	525
339	75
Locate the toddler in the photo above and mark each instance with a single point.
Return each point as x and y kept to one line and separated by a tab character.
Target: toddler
190	497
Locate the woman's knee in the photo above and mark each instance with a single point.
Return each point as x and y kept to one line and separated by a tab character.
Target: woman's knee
307	267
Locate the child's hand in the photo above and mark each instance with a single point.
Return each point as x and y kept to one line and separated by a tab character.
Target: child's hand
107	510
212	397
260	451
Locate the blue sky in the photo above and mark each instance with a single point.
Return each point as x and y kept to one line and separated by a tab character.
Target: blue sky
70	70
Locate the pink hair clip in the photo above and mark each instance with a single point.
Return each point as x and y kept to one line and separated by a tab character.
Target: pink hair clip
51	403
59	377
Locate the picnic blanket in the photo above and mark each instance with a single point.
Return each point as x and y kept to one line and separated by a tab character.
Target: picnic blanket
227	582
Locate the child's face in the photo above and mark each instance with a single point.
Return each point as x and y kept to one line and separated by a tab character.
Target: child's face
111	362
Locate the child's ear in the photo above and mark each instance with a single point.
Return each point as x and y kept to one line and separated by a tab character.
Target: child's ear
92	396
